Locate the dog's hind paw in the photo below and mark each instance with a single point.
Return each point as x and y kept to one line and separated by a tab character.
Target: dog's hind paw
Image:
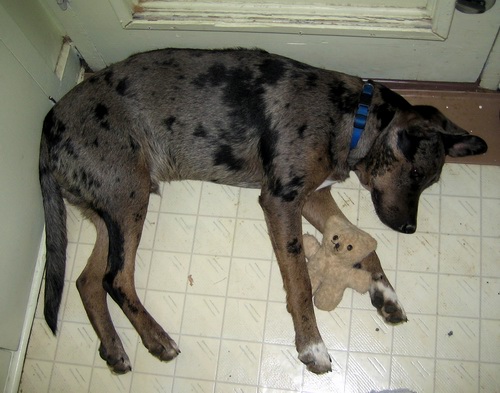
385	300
162	347
116	360
316	358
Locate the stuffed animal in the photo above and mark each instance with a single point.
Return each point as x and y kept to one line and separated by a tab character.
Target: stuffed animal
335	264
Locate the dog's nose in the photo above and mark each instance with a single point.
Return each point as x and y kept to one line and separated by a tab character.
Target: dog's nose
408	228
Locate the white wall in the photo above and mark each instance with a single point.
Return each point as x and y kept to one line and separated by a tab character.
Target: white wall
28	53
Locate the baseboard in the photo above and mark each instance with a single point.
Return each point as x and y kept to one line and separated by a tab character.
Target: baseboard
17	362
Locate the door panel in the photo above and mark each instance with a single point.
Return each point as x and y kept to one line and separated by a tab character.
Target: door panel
419	19
105	32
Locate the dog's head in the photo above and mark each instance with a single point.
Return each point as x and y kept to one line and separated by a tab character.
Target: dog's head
407	157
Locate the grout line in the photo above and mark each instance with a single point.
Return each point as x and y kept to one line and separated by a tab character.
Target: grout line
351	308
186	284
480	276
221	339
438	273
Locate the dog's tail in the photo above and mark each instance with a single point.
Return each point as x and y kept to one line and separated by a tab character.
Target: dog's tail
55	230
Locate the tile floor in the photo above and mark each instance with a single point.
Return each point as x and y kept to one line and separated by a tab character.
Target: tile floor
206	271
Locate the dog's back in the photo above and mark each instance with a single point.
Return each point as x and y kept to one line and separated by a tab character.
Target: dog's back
170	103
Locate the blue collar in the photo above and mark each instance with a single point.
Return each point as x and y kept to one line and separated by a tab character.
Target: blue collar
362	114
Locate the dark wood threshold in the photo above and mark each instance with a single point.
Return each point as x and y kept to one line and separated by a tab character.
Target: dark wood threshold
456	87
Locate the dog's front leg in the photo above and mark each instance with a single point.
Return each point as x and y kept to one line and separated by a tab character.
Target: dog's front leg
285	230
318	207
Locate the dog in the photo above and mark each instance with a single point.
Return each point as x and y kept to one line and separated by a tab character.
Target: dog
237	117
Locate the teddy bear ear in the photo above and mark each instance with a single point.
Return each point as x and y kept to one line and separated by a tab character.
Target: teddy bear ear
311	245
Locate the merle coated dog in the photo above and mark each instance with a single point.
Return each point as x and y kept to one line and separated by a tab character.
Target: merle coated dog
237	117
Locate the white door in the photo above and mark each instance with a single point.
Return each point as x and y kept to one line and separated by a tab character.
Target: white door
384	39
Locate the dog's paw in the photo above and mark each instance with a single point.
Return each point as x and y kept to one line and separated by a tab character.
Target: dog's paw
116	359
316	358
385	300
162	346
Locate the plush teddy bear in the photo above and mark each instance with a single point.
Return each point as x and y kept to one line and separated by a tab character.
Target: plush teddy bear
335	264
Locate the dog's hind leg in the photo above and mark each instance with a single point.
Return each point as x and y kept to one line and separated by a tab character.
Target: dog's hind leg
124	222
318	207
93	296
285	230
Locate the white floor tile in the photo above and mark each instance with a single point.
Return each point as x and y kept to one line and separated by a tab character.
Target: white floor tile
460	215
334	328
420	292
460	255
192	386
36	376
169	271
489	181
208	275
457	338
249	278
419	252
106	382
369	333
214	236
490	221
280	368
490	298
417	337
461	180
459	296
428	214
203	316
367	372
70	378
239	362
151	383
175	233
201	362
77	344
456	376
490	377
244	319
490	255
414	374
205	270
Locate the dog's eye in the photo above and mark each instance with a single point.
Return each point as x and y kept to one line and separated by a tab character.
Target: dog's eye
349	247
415	174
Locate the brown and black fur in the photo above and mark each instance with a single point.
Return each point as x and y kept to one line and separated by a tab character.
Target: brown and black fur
237	117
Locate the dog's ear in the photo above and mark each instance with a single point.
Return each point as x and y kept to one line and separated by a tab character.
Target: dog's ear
463	145
457	141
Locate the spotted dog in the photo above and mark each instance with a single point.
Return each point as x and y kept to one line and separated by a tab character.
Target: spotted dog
237	117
